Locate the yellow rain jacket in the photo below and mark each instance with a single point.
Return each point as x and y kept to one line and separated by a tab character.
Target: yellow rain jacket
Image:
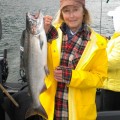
113	51
88	75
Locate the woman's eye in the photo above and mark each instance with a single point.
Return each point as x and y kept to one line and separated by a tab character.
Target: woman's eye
65	10
75	9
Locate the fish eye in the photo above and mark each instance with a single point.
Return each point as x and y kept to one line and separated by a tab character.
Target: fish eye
31	22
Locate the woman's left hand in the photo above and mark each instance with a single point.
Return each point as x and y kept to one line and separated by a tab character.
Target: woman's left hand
58	74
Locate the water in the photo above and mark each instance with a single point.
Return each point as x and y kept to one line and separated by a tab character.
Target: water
12	14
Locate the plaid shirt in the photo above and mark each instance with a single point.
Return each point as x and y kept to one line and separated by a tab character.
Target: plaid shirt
71	51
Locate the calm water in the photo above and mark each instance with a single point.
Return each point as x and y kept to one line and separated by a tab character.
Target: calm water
12	13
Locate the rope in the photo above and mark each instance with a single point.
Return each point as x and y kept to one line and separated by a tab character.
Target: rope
101	17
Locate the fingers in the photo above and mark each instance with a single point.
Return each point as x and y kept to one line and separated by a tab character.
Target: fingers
48	19
47	22
58	75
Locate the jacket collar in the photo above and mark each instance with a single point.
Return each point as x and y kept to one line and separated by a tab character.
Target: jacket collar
116	34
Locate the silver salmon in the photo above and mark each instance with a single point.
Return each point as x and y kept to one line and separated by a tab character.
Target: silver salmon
35	50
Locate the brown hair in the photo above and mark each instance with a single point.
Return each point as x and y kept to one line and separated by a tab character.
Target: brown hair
86	17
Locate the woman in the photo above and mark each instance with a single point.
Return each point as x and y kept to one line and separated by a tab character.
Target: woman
77	62
111	92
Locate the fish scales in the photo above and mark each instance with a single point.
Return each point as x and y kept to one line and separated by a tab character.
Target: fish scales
36	61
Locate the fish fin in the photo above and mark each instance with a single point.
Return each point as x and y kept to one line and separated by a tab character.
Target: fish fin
44	88
31	112
41	44
47	72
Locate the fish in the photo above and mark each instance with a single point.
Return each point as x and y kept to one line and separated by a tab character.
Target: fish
35	55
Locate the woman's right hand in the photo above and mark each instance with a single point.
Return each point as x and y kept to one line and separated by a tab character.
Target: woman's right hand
47	22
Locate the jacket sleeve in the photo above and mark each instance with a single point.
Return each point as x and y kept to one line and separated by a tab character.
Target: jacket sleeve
94	75
52	34
114	55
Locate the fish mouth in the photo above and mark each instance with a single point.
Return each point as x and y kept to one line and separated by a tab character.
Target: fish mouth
33	21
33	16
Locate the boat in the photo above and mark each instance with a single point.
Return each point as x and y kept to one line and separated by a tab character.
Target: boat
10	91
13	106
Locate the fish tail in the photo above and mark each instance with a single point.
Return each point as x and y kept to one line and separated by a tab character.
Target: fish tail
38	111
47	72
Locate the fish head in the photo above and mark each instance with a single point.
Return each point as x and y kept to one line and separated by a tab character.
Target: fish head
34	22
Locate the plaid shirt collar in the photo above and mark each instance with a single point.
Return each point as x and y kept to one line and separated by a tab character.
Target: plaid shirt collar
84	31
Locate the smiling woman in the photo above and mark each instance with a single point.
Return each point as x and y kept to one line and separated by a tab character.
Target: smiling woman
76	67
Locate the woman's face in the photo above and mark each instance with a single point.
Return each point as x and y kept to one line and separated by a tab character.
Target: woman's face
73	16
